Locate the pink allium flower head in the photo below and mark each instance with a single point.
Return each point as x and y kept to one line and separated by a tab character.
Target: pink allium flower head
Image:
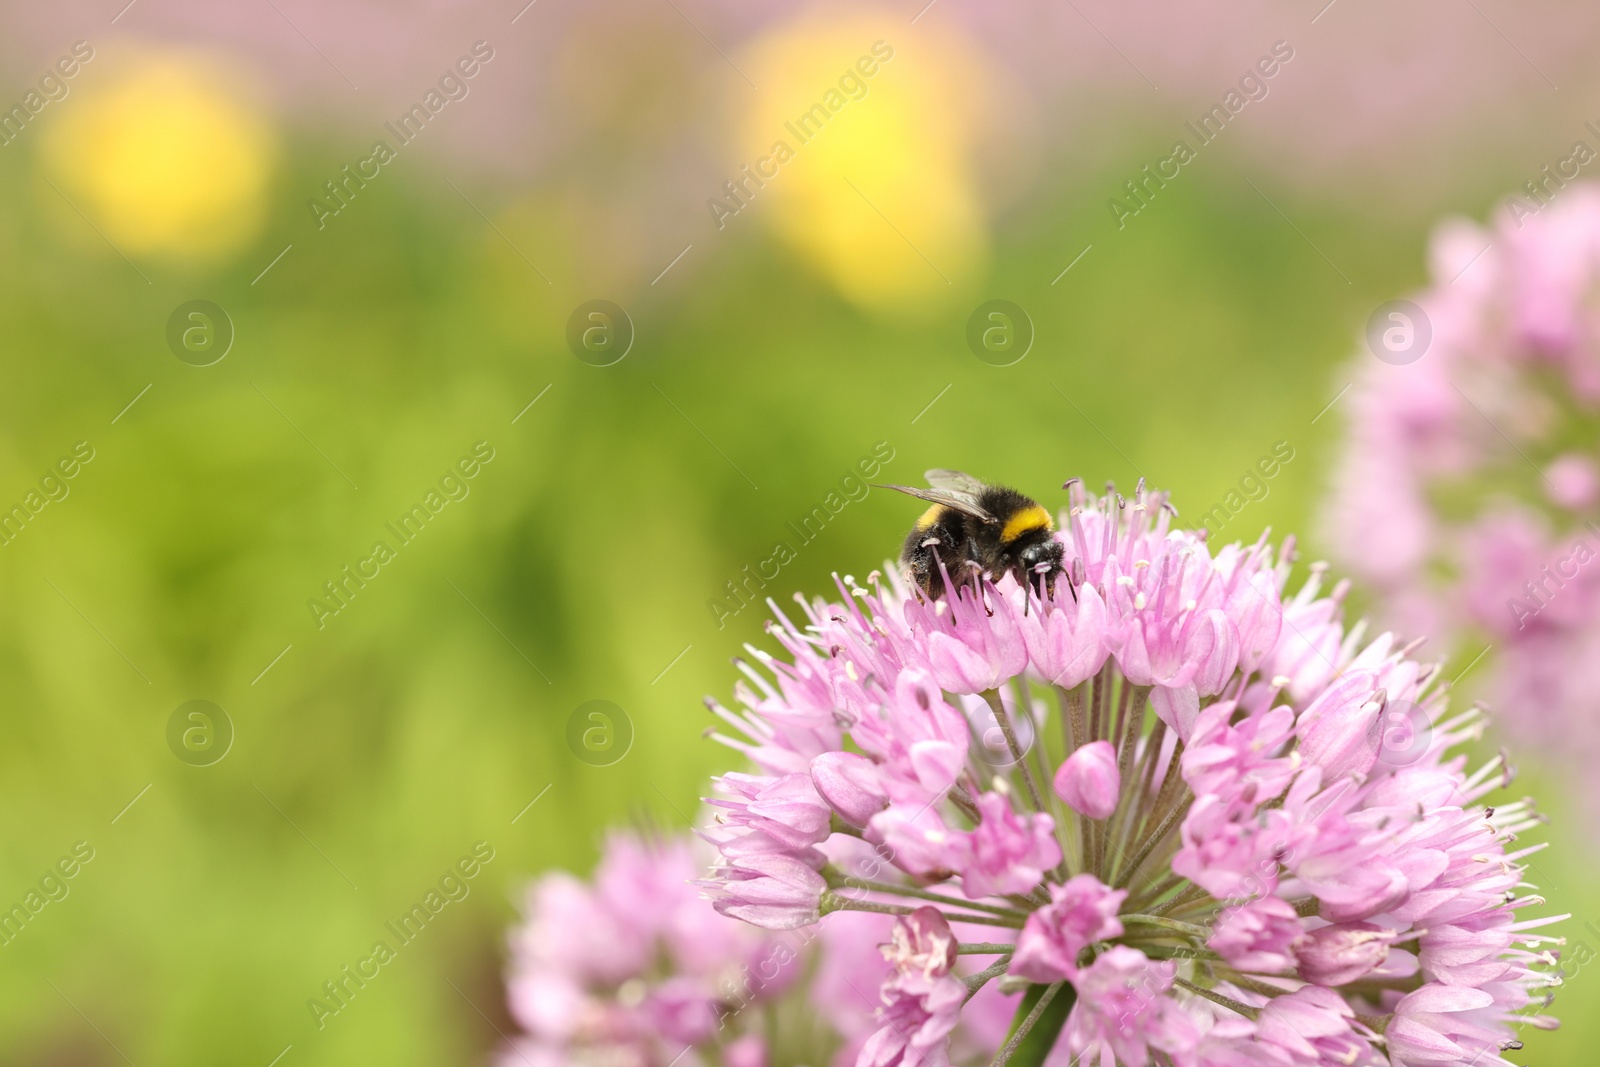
777	891
921	841
586	980
1068	647
851	784
1439	1025
917	1025
1466	498
1080	911
850	968
1573	482
1317	1026
747	1051
1124	1008
1259	936
1007	852
1088	781
1282	867
637	969
921	1000
768	814
969	647
1336	955
921	735
922	943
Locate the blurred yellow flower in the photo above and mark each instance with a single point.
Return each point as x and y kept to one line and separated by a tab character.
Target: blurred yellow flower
165	154
862	137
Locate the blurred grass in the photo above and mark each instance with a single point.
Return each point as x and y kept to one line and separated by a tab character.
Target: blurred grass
412	726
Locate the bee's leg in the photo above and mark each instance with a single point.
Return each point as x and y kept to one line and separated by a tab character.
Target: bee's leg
923	571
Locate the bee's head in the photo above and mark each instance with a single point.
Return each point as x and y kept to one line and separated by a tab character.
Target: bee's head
1041	556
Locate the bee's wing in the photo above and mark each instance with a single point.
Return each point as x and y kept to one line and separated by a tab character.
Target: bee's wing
954	481
962	502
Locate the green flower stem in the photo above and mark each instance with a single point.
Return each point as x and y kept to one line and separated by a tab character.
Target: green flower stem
964	803
1075	738
1151	840
1136	787
1174	925
1039	1020
1072	715
1170	952
1188	896
1245	981
997	706
837	881
1130	725
832	902
1003	717
1144	899
1217	998
839	826
1174	791
1378	1024
977	981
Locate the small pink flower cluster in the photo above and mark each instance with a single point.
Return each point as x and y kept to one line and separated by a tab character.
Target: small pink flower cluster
1198	845
636	969
1468	492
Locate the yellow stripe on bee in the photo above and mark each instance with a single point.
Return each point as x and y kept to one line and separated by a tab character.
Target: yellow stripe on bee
930	516
1025	521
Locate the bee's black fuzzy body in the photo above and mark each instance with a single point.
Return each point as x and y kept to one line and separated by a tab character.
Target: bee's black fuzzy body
978	530
939	535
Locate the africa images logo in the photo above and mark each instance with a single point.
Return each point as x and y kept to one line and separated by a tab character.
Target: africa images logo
340	590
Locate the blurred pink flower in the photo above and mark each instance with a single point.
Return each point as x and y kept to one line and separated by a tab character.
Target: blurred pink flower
636	968
1466	495
586	966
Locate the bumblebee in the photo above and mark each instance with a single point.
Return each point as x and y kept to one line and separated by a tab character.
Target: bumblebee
978	530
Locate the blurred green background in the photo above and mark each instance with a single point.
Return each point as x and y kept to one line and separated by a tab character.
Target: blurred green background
429	713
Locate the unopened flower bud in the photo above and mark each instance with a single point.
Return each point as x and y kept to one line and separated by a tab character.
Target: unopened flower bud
1337	955
1089	781
850	784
